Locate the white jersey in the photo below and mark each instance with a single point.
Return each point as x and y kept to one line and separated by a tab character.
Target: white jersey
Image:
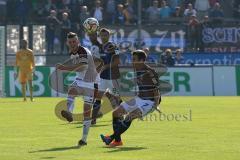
84	57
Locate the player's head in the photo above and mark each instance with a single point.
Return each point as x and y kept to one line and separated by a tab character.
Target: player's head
72	41
138	58
23	44
104	35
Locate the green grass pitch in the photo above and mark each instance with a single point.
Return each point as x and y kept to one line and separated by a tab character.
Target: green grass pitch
204	128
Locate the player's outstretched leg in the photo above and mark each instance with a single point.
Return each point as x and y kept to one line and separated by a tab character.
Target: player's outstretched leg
86	123
115	138
70	105
67	115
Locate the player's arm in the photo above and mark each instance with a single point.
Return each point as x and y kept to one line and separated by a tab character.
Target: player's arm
16	68
98	63
33	62
79	67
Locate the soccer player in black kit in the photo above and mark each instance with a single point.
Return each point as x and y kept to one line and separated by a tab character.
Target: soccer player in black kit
109	73
147	99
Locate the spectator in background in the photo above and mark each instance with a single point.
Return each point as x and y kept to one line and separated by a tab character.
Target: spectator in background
177	13
64	9
193	32
129	13
189	12
22	9
202	7
97	12
52	22
203	25
179	59
216	14
153	13
110	11
120	15
165	11
167	58
65	28
84	14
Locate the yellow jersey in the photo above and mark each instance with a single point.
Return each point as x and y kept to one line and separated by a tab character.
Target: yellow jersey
25	60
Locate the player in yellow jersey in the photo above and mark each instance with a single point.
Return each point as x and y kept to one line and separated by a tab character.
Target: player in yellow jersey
25	67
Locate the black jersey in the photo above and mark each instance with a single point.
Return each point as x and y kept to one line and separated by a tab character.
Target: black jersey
110	58
148	83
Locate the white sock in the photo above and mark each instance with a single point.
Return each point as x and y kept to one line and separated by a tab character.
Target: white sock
70	103
86	126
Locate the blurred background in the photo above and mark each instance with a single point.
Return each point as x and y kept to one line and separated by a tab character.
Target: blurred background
199	40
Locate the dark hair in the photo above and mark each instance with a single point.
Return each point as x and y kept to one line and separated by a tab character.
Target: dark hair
105	30
140	54
23	44
71	35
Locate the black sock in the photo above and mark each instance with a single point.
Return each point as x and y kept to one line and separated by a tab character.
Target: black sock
119	127
124	126
116	129
96	108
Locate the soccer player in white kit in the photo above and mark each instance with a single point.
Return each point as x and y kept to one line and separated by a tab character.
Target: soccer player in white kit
81	62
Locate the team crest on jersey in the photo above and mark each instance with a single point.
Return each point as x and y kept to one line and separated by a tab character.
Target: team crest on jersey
75	58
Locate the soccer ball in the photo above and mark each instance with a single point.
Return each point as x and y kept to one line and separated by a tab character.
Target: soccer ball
91	25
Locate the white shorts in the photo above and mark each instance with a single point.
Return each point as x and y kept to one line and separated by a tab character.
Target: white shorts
146	106
82	84
111	85
87	89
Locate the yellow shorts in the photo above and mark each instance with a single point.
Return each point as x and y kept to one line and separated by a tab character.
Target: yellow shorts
25	76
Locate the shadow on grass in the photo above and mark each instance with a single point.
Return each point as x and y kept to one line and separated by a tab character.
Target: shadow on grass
74	123
96	125
56	149
122	149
